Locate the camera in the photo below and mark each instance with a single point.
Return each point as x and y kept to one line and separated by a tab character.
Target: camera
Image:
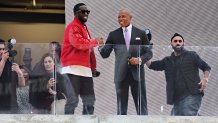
11	52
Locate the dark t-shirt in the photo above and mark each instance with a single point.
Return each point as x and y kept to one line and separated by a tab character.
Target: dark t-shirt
8	83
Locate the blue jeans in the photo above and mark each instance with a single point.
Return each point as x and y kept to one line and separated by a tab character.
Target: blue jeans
188	106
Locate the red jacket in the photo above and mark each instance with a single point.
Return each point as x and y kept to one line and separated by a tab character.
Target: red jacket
76	46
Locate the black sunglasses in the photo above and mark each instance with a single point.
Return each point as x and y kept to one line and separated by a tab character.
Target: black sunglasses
84	11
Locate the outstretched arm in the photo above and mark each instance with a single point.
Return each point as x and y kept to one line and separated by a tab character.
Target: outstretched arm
78	41
158	65
107	48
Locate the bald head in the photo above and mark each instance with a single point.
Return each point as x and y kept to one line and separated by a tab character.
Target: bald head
127	11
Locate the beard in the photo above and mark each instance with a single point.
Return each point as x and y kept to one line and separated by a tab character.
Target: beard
178	49
82	20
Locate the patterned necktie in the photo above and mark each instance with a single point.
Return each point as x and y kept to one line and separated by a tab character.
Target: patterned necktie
127	38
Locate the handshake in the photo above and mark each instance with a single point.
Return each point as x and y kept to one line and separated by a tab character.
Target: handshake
96	73
100	41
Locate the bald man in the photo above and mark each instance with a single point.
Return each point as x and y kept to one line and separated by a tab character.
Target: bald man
125	41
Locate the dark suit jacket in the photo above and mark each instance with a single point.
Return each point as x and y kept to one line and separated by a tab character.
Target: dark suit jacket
138	45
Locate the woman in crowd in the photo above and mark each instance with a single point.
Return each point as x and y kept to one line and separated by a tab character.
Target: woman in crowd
42	86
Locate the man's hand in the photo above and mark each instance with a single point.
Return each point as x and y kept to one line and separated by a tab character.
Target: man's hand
4	58
203	84
5	55
95	73
134	61
15	67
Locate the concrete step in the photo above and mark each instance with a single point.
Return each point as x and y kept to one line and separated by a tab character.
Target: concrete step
20	118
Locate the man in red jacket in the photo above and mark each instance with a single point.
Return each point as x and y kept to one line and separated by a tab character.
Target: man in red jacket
78	59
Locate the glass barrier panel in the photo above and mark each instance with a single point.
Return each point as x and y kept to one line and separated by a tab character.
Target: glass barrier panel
116	70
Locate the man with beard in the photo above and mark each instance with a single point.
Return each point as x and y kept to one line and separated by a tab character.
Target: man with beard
78	59
184	86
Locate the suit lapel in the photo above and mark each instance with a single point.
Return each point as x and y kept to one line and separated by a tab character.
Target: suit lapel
132	36
133	42
121	37
135	35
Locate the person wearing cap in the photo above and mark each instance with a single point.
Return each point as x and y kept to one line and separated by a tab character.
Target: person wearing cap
126	41
78	58
185	87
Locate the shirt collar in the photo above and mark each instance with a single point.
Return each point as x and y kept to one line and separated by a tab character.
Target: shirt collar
128	28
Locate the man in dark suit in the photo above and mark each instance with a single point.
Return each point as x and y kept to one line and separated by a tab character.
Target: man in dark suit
129	44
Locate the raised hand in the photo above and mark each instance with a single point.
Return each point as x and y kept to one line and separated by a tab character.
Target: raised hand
5	55
15	67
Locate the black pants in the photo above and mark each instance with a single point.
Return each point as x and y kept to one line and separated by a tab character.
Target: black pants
72	99
84	87
122	91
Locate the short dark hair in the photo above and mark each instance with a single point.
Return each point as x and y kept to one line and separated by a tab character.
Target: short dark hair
2	41
177	34
76	7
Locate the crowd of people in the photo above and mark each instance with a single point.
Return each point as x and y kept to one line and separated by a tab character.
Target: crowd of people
66	72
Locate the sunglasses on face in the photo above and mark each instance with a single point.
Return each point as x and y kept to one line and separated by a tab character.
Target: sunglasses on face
84	11
175	41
